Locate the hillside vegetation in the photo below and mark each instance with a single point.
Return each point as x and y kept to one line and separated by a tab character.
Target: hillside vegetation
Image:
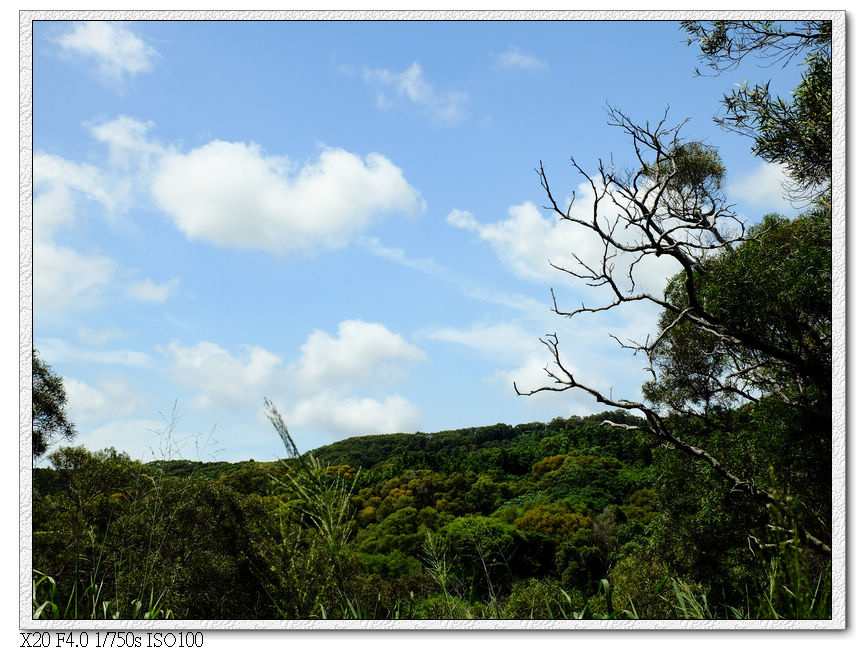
558	520
716	502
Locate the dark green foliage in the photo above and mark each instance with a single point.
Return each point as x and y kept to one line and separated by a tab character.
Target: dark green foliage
779	284
392	565
541	599
797	132
489	554
400	531
252	478
486	494
581	566
583	506
200	552
690	177
367	451
374	595
641	582
50	421
577	518
510	449
247	476
118	529
218	541
760	401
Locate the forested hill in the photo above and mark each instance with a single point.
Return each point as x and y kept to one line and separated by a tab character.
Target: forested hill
523	521
510	449
513	449
719	504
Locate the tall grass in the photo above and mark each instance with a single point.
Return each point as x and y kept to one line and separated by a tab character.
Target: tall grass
796	580
439	566
49	604
315	527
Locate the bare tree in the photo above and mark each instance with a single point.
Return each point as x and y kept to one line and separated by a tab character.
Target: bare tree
672	205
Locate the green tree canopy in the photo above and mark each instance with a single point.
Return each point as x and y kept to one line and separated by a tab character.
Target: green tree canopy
50	421
742	356
797	132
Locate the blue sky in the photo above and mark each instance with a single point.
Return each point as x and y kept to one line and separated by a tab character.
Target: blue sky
343	217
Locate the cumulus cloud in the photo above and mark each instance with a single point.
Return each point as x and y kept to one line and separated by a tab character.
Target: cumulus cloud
148	291
129	146
360	353
515	57
523	362
520	358
335	385
441	107
64	278
58	184
231	194
112	397
529	243
221	378
339	415
531	375
117	52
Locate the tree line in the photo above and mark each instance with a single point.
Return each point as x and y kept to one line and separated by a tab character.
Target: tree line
709	497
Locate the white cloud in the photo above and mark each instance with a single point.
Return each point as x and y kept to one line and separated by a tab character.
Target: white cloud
127	141
60	185
231	194
113	396
360	354
321	388
60	351
223	379
344	416
762	186
117	52
57	184
83	401
515	57
148	291
529	243
64	278
531	375
445	108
